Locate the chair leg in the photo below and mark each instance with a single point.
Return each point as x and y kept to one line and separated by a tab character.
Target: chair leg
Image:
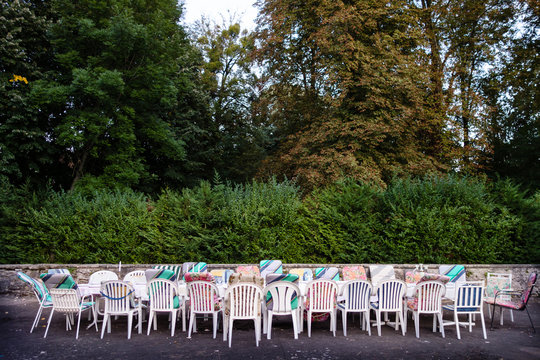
258	330
470	322
456	319
173	322
416	323
492	318
269	317
78	324
344	321
403	322
294	316
105	320
434	323
483	324
530	319
511	315
230	331
36	319
439	315
184	316
48	323
130	324
378	315
140	319
501	318
368	322
214	324
333	323
225	326
190	326
309	323
265	320
150	320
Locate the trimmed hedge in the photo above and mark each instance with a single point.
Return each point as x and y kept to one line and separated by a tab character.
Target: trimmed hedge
431	220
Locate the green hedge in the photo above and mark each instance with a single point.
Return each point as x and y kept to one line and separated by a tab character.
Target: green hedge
430	220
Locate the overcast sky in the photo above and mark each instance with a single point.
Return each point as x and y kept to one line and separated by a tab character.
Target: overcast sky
213	9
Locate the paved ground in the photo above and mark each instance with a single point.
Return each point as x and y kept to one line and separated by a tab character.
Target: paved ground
511	341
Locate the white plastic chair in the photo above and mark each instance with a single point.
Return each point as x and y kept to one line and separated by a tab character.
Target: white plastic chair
284	300
390	300
100	276
204	299
356	296
243	302
136	277
120	300
496	282
470	301
321	298
163	297
427	300
41	293
69	302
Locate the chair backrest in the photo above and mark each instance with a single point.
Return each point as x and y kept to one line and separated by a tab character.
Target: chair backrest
58	271
270	267
119	296
430	295
59	281
412	276
136	277
469	296
322	295
203	296
37	286
189	267
248	270
199	276
176	269
528	290
305	274
270	278
357	295
151	274
434	277
281	296
162	293
391	293
222	274
380	273
65	300
99	276
496	282
354	273
455	272
244	300
236	278
327	273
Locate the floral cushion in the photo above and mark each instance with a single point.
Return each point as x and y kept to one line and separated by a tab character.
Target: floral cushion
495	284
199	276
246	278
504	303
434	277
412	277
354	273
248	270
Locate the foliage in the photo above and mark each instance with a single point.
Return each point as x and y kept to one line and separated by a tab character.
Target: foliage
430	220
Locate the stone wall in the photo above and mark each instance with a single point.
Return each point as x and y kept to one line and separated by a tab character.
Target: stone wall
9	283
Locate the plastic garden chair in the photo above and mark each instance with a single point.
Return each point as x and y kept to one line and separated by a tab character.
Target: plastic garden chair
390	300
204	299
41	293
494	284
468	301
427	300
356	296
518	305
120	300
100	276
136	277
243	302
321	298
270	267
282	300
163	297
268	301
66	299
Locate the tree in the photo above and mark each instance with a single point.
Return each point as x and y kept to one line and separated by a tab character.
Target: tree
122	93
363	72
227	76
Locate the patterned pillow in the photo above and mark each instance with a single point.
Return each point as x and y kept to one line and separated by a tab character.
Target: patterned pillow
248	269
199	276
354	273
412	277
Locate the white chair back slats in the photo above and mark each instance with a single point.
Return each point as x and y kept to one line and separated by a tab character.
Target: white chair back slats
202	296
469	296
283	294
136	277
118	296
161	293
65	300
357	294
322	295
100	276
245	301
430	295
391	294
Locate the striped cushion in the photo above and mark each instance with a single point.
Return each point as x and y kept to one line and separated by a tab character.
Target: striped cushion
270	267
329	273
189	267
160	274
58	271
174	268
466	309
456	273
380	273
37	286
304	273
59	281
